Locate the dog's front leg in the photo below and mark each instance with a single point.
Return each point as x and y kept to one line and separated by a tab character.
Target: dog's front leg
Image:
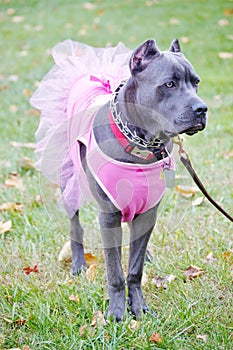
76	240
140	232
110	224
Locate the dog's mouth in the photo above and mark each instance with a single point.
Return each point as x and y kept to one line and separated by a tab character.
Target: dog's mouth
194	129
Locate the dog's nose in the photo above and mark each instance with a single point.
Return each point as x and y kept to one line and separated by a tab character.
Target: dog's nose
199	109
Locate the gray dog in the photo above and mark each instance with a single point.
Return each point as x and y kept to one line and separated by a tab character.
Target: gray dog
128	159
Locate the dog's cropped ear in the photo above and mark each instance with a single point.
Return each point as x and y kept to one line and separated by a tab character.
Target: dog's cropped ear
175	46
142	56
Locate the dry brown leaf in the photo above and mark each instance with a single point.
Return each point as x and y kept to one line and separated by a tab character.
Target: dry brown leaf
85	329
228	155
228	254
15	180
98	319
184	39
187	191
90	259
145	279
10	11
174	21
193	272
225	55
228	12
203	337
5	226
65	255
27	92
26	347
26	163
11	206
18	19
13	109
209	258
89	6
30	145
198	201
223	22
162	282
91	272
134	325
156	338
74	298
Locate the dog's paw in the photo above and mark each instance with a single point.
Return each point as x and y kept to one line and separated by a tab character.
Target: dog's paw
77	267
116	309
137	304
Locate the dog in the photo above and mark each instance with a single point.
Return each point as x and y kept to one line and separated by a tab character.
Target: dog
127	159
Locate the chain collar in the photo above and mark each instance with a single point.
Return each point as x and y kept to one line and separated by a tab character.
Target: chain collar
123	127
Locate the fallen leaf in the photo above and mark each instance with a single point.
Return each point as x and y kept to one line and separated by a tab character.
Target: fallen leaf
89	6
193	272
29	270
198	201
74	298
10	12
228	12
13	109
30	145
174	21
134	325
65	255
91	272
156	338
17	19
184	39
225	55
27	92
19	322
187	191
5	226
11	206
145	279
171	278
98	319
227	255
162	282
13	78
14	180
90	259
209	258
85	329
223	22
26	163
203	337
228	155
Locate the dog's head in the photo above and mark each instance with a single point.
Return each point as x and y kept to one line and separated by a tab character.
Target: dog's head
166	84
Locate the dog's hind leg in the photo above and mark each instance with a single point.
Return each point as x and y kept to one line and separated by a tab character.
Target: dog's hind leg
140	232
76	239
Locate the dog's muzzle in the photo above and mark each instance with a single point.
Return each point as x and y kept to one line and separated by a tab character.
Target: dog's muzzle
200	113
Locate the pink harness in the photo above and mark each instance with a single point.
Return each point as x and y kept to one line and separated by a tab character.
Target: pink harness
133	188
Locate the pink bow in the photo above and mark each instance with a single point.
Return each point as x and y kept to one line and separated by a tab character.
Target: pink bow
104	82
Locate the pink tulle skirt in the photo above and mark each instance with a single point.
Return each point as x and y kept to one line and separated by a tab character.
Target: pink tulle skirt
79	83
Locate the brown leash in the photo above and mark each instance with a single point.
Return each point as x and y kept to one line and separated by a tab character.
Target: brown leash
184	157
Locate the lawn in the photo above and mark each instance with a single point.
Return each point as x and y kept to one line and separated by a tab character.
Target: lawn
47	308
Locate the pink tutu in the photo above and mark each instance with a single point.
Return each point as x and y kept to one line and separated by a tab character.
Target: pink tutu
81	80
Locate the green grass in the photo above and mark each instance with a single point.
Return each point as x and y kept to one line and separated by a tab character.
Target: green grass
184	235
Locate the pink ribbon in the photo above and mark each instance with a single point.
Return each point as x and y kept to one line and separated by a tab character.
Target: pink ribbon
104	82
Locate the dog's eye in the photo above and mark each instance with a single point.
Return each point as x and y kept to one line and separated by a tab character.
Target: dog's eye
170	84
196	82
